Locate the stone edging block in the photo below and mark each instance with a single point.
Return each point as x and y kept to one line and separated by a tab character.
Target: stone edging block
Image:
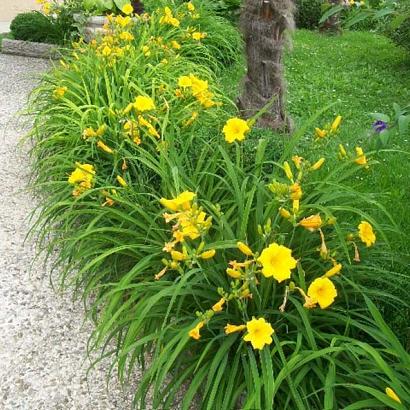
29	49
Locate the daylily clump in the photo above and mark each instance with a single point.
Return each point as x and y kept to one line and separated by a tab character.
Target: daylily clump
195	240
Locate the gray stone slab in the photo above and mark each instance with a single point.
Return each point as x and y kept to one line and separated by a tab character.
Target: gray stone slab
29	49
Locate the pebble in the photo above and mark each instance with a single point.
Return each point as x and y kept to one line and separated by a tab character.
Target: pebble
43	336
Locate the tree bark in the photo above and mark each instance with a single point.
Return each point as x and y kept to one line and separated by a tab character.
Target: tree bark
265	25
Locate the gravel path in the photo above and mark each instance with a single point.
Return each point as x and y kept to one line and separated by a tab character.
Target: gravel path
42	336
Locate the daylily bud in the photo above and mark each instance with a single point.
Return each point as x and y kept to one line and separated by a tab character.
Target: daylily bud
334	271
288	171
284	213
233	273
104	147
336	123
331	220
121	181
312	222
392	394
342	151
244	249
208	254
178	256
246	293
200	247
128	108
323	248
234	328
317	165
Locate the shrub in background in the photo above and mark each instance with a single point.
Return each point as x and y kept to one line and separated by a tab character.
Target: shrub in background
388	17
308	13
175	238
35	26
54	24
399	30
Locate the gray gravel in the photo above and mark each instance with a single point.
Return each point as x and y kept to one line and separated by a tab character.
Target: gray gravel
42	336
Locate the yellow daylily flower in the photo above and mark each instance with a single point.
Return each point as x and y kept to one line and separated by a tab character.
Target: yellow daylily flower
366	233
194	333
59	92
126	36
127	9
82	177
323	292
190	6
219	305
181	202
143	103
235	130
277	262
259	333
295	191
361	157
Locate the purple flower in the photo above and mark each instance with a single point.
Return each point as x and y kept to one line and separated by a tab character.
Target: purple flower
379	126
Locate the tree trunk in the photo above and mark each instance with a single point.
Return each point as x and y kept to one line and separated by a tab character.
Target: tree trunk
265	24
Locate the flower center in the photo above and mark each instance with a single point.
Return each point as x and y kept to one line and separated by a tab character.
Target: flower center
321	291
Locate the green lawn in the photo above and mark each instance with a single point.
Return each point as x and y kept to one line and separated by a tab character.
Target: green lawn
366	73
362	73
